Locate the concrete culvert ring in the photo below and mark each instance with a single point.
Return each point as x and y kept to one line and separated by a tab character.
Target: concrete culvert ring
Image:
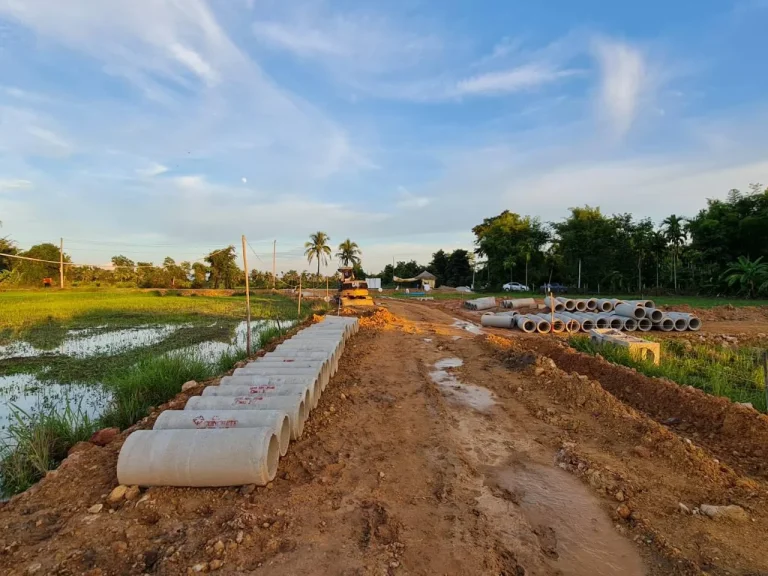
581	306
601	322
544	327
616	323
630	324
694	323
587	325
273	456
655	315
572	326
284	435
667	324
558	326
644	325
681	325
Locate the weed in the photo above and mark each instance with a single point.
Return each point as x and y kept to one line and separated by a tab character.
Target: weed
720	371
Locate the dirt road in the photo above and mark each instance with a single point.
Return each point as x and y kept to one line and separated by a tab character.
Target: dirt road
435	450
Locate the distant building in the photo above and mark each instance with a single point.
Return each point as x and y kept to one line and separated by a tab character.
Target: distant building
427	279
373	283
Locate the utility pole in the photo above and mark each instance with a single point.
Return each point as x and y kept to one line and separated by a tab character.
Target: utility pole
247	300
274	259
61	263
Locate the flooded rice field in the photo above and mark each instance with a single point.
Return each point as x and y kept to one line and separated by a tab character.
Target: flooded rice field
69	368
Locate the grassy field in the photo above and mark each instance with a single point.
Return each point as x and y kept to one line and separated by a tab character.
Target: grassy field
72	362
695	301
736	373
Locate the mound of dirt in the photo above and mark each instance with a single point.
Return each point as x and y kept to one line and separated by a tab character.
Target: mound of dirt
723	313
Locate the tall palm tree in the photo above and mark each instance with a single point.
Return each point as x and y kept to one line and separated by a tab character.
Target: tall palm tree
675	233
317	249
748	273
349	253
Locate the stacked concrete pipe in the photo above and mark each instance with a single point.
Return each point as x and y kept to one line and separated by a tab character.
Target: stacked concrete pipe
519	303
554	304
692	321
497	320
570	305
604	305
481	303
235	433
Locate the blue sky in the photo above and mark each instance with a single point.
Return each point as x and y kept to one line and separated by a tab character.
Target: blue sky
154	127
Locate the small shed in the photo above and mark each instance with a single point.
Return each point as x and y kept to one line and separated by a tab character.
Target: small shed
427	279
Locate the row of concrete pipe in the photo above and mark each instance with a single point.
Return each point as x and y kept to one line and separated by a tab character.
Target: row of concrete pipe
574	315
235	433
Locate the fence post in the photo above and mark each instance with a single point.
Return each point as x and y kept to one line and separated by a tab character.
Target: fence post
299	311
247	300
552	310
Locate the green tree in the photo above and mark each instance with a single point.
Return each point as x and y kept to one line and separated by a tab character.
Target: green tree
458	269
199	275
438	266
222	267
317	249
125	270
585	241
32	273
751	275
349	253
675	233
7	246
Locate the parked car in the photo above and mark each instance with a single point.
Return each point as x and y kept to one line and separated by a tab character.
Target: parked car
515	287
554	287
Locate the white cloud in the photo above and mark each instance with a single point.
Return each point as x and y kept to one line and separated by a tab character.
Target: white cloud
517	79
15	185
195	182
625	81
303	42
50	139
153	169
195	63
409	201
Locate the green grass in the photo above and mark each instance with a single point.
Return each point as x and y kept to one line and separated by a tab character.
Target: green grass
694	301
63	310
137	378
733	373
37	443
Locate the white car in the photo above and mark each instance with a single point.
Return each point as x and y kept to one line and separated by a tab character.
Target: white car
515	287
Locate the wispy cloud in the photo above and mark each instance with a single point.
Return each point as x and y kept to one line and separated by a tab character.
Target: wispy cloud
154	169
524	77
15	185
624	82
407	200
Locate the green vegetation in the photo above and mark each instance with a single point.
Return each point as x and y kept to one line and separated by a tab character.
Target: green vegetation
135	375
36	443
317	249
734	373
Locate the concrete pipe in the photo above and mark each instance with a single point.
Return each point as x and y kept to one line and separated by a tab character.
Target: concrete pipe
199	458
297	409
681	324
321	376
591	304
497	321
572	324
525	324
570	305
693	322
344	332
630	324
630	311
581	305
666	324
519	303
616	322
543	326
308	350
327	366
268	390
276	420
604	305
558	325
601	321
555	304
654	314
481	303
587	322
644	324
287	355
268	382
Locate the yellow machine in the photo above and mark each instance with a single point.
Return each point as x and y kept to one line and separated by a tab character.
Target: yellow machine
352	292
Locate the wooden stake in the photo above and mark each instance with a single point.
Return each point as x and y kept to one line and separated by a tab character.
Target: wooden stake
552	309
61	263
247	300
299	312
274	260
765	376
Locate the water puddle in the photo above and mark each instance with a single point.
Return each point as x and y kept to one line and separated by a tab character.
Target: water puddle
89	342
27	393
468	326
477	397
573	530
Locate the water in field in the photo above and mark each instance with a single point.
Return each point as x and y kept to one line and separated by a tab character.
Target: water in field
28	373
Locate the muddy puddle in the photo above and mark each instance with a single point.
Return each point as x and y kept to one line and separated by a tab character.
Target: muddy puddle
574	531
477	397
468	326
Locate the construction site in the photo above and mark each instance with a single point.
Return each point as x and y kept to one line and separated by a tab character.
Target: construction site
413	438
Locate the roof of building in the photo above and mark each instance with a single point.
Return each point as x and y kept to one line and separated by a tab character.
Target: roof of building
426	276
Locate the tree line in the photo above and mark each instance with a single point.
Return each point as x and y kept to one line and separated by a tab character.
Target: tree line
723	249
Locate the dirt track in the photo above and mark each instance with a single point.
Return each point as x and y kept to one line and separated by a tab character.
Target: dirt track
504	465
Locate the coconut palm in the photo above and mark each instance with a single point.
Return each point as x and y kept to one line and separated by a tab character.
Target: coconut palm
675	233
349	253
748	273
317	249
